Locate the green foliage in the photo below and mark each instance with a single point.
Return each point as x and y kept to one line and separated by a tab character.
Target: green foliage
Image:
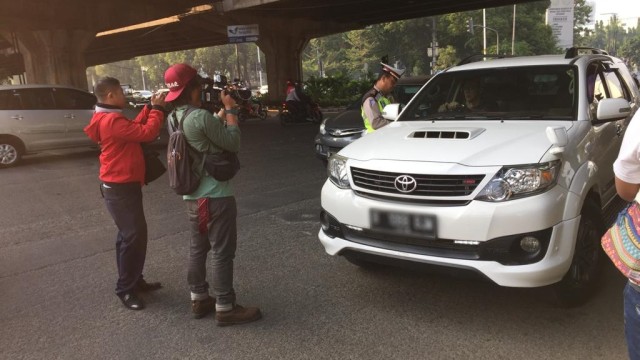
337	90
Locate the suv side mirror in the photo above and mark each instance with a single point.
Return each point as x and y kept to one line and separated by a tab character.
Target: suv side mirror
391	111
612	109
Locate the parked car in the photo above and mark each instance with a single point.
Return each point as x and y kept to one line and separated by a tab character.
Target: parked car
344	128
35	118
514	192
141	97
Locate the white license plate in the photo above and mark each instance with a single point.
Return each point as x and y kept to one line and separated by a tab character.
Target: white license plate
404	223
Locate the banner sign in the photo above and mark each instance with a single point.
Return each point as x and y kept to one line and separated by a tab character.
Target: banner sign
243	33
560	18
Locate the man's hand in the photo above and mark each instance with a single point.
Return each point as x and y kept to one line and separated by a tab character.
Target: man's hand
448	106
158	99
227	100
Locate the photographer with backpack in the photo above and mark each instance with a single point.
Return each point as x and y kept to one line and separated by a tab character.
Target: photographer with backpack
211	206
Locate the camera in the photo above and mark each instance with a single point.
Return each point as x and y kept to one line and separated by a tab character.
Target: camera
212	87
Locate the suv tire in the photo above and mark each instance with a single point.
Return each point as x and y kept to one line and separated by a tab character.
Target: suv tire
581	281
10	152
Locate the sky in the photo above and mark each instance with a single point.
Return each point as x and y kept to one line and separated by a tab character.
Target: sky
628	10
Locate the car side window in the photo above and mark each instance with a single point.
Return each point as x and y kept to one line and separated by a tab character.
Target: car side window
36	99
69	99
9	100
615	85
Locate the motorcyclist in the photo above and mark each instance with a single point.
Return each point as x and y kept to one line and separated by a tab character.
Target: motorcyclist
297	101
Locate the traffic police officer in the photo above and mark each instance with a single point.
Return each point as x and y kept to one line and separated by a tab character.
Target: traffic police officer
376	99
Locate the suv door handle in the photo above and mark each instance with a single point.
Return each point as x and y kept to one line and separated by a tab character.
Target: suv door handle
70	116
17	117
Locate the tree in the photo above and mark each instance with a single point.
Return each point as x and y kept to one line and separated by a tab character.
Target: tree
631	51
581	13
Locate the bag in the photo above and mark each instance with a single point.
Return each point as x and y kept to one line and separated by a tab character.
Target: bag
182	179
622	242
153	167
222	166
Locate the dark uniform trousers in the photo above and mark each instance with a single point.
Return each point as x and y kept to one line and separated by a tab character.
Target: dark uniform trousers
124	202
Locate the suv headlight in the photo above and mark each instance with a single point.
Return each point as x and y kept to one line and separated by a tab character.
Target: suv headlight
337	171
322	129
520	181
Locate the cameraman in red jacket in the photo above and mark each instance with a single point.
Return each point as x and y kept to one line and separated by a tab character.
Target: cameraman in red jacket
122	172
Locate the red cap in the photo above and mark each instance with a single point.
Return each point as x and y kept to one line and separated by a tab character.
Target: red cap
176	78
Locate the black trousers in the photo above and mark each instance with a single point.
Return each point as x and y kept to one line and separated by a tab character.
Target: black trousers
124	202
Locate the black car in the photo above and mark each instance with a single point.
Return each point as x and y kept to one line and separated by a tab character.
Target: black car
343	129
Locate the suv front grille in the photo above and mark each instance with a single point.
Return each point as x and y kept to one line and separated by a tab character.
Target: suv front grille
427	185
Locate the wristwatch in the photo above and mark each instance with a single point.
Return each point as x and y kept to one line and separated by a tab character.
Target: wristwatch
231	111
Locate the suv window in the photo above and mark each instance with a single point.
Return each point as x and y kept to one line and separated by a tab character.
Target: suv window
526	92
36	99
9	100
616	88
73	99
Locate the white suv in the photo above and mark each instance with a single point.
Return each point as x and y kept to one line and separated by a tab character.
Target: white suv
513	191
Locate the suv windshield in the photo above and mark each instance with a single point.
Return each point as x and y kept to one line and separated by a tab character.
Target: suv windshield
514	93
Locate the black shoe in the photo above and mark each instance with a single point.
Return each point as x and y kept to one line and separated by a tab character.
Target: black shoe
131	301
143	286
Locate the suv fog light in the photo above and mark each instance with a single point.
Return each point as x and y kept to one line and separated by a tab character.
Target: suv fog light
324	221
530	244
497	190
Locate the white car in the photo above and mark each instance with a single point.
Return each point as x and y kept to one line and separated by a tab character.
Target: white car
513	191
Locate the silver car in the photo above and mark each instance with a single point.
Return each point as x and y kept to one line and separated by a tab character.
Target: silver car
35	118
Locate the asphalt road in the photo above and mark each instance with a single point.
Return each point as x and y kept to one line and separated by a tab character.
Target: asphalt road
57	276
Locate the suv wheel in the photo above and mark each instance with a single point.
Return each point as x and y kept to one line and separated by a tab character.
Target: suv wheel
10	152
580	282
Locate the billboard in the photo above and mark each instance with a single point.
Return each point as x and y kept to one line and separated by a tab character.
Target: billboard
560	18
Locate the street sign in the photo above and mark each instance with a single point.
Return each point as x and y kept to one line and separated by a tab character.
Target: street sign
243	33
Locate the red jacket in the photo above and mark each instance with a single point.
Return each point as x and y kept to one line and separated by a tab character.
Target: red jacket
121	159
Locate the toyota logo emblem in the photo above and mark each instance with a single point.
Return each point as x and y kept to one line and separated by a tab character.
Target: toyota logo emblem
405	183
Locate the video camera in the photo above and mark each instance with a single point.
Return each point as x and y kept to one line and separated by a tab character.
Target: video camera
211	89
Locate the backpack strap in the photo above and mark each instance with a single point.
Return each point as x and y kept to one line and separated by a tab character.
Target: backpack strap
179	125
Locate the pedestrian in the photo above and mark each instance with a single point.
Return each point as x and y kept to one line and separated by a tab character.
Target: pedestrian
627	178
376	99
122	174
211	208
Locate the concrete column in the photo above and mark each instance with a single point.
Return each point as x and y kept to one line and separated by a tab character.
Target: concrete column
55	56
283	59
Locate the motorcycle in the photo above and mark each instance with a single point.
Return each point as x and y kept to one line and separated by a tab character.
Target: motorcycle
291	113
251	108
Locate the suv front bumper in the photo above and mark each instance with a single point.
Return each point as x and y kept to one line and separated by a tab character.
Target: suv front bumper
477	222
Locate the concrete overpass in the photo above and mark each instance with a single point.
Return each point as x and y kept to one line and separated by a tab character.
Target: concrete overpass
58	38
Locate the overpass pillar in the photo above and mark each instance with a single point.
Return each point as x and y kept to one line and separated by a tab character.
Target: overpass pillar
283	58
55	56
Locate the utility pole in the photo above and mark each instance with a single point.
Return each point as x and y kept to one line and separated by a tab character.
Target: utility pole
237	63
259	66
513	33
434	45
484	32
142	70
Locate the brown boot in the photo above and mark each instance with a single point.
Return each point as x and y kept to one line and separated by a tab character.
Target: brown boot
201	308
239	315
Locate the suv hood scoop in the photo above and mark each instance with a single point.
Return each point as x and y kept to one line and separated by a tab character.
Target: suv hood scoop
471	143
450	133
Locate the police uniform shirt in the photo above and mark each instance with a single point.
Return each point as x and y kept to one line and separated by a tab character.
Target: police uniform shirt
372	111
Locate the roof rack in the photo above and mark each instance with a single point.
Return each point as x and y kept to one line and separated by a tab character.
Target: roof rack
481	57
577	50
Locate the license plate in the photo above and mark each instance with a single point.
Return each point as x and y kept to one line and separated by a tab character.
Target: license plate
404	223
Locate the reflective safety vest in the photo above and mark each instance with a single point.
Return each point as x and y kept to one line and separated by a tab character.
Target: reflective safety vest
380	100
